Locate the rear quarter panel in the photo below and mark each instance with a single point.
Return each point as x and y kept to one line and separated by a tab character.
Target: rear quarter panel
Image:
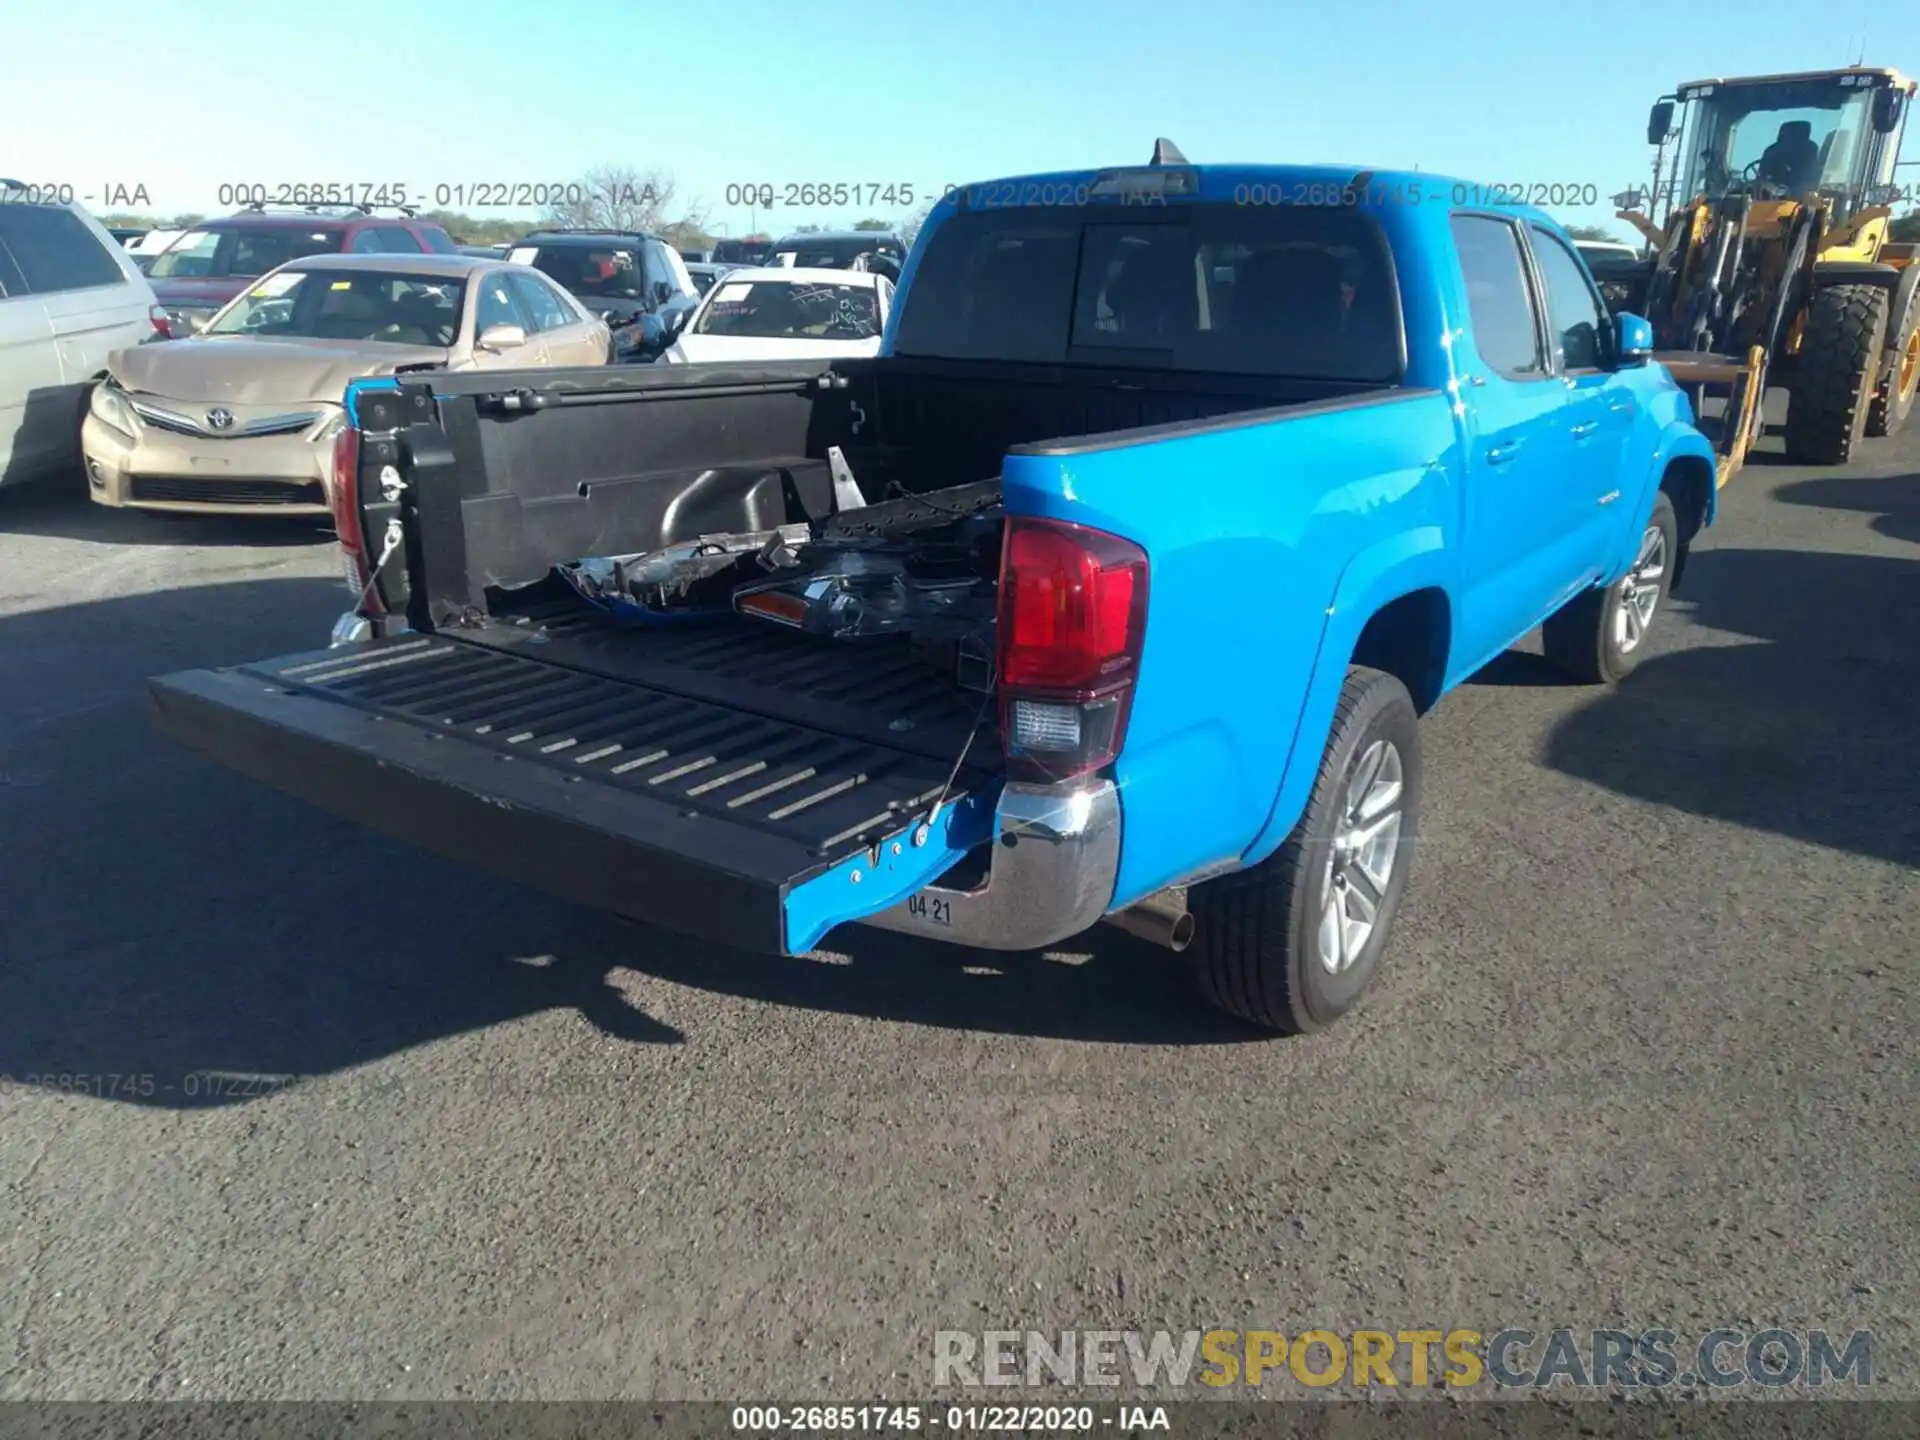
1256	530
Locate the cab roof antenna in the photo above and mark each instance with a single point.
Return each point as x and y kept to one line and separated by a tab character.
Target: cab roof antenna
1165	152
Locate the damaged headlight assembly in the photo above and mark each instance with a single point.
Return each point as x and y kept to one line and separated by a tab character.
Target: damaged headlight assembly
109	406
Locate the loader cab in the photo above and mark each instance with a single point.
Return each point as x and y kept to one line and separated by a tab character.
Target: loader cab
1835	134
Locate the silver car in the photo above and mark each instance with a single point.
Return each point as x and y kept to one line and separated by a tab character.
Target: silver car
69	297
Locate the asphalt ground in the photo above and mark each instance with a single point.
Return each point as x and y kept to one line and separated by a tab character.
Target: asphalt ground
1641	1053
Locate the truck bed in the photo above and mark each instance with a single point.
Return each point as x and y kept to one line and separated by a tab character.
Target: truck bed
878	691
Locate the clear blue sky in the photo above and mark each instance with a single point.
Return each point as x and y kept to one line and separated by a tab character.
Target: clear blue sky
181	95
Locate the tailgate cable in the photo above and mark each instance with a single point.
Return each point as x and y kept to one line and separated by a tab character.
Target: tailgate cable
391	486
926	827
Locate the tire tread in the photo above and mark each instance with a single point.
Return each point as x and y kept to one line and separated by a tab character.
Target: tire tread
1837	368
1577	639
1245	919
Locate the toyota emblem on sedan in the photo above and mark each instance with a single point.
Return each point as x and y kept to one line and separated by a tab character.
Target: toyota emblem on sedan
220	418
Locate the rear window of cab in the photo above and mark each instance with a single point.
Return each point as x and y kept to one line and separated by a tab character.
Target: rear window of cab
1290	291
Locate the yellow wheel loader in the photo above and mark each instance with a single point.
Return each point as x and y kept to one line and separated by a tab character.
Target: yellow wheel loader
1771	265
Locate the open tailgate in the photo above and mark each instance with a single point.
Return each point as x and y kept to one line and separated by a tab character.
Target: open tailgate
719	822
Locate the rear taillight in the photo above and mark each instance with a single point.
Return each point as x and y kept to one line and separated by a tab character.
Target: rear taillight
344	495
157	317
1073	614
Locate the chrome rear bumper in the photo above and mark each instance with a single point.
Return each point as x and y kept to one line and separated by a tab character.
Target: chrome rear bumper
1056	855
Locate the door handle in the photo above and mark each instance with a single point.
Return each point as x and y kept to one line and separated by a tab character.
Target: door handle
1585	428
1501	454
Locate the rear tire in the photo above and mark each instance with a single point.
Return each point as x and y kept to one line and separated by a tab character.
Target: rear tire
1899	379
1286	944
1838	368
1599	636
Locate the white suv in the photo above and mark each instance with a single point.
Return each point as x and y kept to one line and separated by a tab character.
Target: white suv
69	296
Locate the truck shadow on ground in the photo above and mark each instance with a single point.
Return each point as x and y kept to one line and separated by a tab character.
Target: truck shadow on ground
1893	500
58	508
165	920
1798	720
1105	986
1524	668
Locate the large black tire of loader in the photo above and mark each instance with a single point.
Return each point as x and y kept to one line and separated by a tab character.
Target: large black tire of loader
1893	402
1835	372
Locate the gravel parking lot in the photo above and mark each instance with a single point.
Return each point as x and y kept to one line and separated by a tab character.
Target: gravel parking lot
1642	1052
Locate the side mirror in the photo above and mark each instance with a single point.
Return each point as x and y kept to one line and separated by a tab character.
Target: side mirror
1888	103
1632	339
496	339
1659	122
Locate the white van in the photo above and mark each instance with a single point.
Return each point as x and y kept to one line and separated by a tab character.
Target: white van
69	296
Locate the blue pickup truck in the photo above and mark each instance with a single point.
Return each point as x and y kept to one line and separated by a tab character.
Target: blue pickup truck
1110	591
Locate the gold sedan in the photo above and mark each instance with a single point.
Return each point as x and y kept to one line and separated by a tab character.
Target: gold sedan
241	417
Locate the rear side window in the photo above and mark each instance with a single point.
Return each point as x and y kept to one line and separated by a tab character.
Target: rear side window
1304	292
539	303
497	304
397	240
52	249
438	241
1499	299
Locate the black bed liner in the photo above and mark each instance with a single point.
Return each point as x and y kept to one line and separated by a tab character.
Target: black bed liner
626	796
876	690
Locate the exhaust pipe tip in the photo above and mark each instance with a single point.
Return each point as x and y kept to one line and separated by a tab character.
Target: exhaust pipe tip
1180	933
1163	921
